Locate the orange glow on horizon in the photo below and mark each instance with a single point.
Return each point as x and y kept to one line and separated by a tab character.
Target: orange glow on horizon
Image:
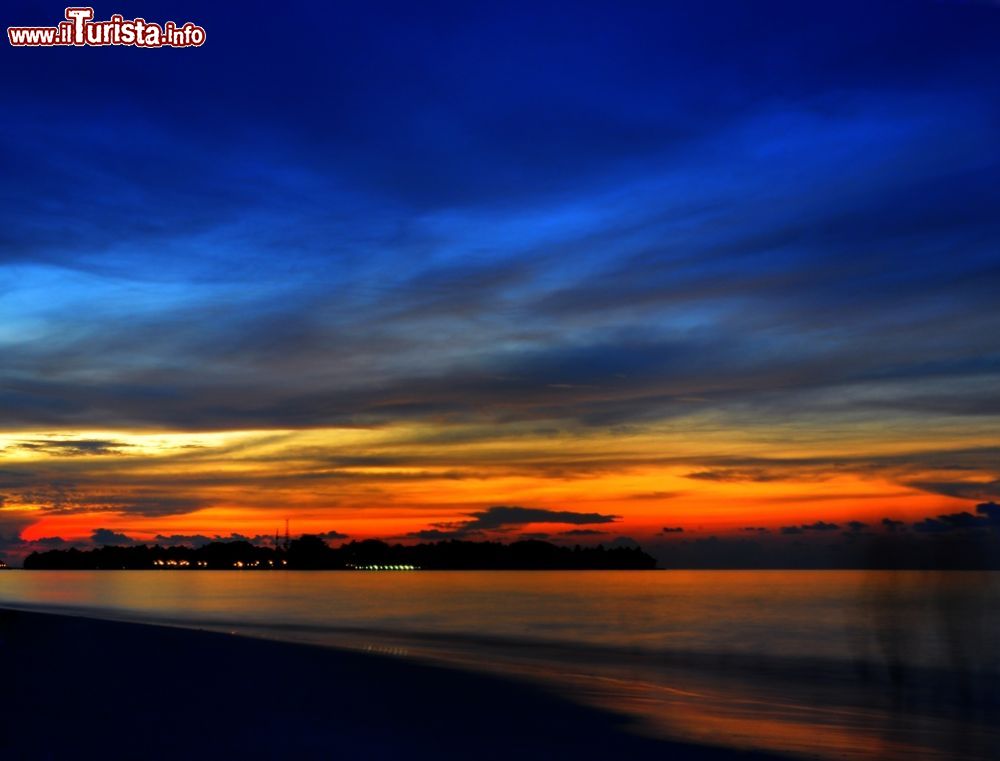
395	481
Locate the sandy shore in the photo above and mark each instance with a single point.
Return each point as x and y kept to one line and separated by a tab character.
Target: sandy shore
76	688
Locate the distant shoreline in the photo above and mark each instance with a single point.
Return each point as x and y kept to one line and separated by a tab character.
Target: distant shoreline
312	553
387	570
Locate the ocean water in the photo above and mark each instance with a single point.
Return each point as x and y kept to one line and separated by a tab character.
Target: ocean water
827	664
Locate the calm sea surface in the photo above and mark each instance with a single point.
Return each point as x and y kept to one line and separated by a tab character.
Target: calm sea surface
868	665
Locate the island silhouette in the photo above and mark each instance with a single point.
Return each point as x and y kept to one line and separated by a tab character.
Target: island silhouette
310	552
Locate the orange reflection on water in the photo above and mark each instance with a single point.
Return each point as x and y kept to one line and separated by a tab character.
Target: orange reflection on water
882	666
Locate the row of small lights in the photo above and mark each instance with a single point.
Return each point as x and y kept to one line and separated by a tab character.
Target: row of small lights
256	564
204	563
270	564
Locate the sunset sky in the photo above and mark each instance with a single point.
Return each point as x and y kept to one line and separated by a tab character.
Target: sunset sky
422	270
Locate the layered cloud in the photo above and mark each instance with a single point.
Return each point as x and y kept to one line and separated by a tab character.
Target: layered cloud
604	254
505	517
823	245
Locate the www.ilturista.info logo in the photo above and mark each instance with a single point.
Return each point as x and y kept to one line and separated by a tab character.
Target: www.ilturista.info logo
80	29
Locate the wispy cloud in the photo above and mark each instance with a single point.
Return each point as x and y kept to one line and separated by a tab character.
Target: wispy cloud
689	242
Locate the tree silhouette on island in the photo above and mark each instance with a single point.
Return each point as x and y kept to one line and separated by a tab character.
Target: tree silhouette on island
311	553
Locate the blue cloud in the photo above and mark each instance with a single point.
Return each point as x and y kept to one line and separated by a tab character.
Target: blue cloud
504	214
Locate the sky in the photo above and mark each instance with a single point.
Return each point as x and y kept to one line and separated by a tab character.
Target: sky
603	272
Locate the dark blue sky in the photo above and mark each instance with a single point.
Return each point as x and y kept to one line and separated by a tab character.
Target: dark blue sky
563	216
761	193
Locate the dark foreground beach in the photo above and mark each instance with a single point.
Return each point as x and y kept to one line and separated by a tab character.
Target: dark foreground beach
83	688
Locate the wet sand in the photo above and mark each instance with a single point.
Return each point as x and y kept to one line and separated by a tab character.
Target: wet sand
83	688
